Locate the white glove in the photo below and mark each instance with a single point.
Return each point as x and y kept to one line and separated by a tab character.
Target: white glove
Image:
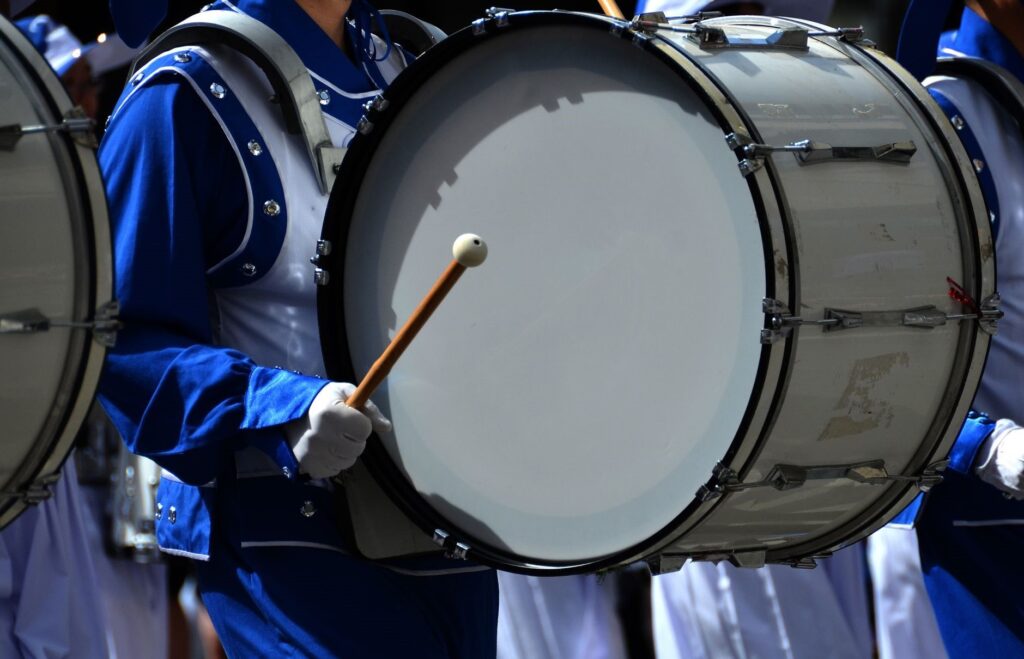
1000	460
332	435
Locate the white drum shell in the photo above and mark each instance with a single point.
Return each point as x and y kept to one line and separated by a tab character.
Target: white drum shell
54	258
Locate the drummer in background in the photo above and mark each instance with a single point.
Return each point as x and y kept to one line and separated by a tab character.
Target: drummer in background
719	611
970	529
246	445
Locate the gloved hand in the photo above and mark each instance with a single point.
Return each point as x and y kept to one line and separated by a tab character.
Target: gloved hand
1000	460
332	435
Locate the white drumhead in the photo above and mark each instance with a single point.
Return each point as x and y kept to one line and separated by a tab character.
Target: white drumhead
574	391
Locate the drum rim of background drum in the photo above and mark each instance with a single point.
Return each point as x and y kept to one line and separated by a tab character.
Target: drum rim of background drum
84	366
337	358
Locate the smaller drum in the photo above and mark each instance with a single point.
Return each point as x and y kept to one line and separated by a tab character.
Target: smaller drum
56	273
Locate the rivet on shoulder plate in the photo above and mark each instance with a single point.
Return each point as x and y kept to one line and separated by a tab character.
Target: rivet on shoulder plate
272	208
325	96
979	165
249	270
172	515
159	511
217	90
254	147
137	78
182	58
308	509
958	122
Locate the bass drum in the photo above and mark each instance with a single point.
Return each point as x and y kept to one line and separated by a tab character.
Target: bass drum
743	348
56	274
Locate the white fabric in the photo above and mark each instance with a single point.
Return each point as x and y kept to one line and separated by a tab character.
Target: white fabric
708	611
1000	460
274	319
812	10
557	618
905	621
332	435
49	588
133	595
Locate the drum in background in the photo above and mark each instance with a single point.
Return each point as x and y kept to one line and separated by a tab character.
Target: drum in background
747	352
56	281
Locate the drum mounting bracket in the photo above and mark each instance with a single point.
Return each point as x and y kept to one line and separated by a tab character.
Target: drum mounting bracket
452	548
781	322
784	477
809	152
35	493
104	325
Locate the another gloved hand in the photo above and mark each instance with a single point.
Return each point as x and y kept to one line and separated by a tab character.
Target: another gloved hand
1000	460
332	435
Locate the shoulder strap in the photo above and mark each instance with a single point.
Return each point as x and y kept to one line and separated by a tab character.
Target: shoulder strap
287	74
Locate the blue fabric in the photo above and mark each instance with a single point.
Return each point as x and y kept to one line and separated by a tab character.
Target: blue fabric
971	544
919	35
136	19
973	148
908	516
973	434
976	37
338	606
35	31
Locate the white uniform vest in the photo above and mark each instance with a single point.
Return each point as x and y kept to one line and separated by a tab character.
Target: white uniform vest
273	319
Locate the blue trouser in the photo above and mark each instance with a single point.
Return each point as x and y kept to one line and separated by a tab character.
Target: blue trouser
298	602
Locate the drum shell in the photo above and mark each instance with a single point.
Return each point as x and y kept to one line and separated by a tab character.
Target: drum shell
57	260
775	430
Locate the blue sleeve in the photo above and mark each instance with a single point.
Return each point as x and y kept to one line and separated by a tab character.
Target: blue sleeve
177	203
973	434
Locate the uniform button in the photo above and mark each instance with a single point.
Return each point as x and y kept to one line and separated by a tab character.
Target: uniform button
248	269
217	90
272	208
308	509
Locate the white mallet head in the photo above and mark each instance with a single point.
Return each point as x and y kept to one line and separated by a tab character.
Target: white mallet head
469	250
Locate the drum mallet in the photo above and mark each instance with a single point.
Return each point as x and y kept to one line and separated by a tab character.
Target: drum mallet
468	251
610	8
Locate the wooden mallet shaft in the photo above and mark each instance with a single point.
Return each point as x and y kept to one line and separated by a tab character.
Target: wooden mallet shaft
611	8
469	251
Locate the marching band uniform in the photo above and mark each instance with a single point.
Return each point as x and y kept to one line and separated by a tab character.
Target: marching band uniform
217	373
969	527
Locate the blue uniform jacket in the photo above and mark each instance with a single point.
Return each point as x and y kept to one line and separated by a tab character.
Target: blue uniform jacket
178	205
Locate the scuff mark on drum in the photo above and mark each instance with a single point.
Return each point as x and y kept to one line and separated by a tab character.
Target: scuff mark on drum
865	404
781	266
987	250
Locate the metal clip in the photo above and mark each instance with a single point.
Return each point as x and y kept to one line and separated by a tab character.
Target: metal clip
787	38
783	477
36	492
104	326
990	314
440	537
75	123
458	552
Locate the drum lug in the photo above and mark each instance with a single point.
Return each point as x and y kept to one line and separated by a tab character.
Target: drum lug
665	563
75	123
452	548
805	563
321	277
779	320
499	15
715	38
36	492
104	326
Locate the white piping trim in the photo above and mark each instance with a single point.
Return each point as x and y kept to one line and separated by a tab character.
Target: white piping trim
294	543
171	477
186	554
436	573
954	53
989	522
231	141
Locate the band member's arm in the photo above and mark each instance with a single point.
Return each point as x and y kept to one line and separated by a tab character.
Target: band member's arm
177	203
